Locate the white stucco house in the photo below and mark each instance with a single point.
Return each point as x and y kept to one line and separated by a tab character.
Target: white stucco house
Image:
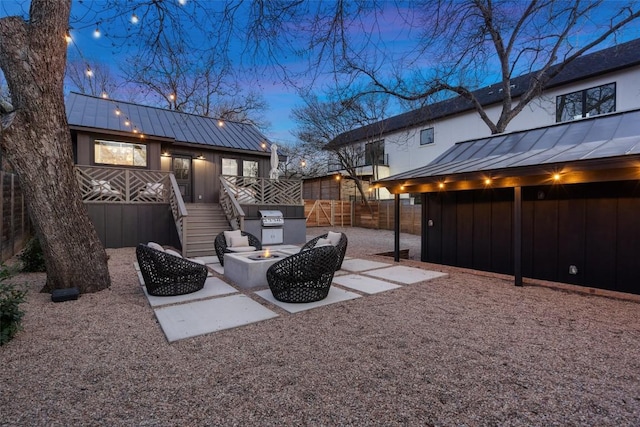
603	82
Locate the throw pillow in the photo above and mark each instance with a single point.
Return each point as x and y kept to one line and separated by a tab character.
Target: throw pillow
174	253
229	234
322	242
156	246
239	241
334	238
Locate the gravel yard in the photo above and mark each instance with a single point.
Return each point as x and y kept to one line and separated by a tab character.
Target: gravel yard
468	349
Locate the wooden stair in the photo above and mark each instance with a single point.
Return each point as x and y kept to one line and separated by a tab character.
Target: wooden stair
204	223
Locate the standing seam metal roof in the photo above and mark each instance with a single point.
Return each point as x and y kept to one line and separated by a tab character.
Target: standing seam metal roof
99	113
599	137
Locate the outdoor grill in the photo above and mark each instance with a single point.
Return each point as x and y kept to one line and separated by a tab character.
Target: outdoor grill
272	227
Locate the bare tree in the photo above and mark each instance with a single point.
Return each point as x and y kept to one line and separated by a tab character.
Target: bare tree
467	41
36	140
320	122
89	79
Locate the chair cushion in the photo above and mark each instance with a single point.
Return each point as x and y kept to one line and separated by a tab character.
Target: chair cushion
242	248
156	246
322	242
229	234
239	241
334	237
172	252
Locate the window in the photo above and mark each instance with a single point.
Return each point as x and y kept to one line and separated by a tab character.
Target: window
374	153
250	168
586	103
426	136
120	153
229	167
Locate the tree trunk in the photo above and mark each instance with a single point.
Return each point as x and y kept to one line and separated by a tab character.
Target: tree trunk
38	145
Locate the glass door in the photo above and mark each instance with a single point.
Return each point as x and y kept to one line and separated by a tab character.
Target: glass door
181	167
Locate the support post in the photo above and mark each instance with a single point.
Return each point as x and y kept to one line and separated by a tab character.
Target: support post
396	226
517	235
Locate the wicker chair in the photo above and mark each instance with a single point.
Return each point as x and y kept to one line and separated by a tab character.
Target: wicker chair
220	245
303	277
341	247
166	275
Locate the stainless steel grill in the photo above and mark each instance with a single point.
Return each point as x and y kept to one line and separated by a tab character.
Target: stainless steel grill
272	218
272	227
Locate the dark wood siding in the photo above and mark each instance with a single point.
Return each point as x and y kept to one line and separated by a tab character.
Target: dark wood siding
584	234
122	225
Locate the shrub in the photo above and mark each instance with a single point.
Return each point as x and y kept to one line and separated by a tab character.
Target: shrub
10	313
32	257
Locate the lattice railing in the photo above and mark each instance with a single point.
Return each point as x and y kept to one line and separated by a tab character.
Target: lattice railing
264	191
116	185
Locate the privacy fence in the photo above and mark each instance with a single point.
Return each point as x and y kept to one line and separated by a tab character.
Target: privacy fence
380	216
15	228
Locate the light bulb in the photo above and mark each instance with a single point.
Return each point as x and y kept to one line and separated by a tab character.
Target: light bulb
96	33
134	19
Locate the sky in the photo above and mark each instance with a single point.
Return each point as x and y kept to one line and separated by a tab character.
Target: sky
108	49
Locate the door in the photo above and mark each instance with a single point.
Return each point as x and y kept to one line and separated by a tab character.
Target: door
181	167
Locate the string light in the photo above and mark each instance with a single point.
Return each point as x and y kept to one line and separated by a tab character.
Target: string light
221	123
134	19
67	37
89	72
104	95
96	33
182	2
127	123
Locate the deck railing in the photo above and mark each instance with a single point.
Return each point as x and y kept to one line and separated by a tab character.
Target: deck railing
230	206
264	191
100	184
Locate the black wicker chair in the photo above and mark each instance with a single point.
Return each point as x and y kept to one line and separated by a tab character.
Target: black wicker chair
303	277
341	247
166	275
220	244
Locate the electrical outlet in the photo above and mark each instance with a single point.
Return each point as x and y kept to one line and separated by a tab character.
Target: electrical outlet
573	269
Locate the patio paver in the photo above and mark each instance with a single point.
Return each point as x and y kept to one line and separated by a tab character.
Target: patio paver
364	284
202	317
213	286
406	275
357	265
335	295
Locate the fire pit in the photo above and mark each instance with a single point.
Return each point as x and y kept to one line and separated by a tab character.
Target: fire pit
265	255
249	269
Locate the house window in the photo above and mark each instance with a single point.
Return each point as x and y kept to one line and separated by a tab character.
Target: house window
426	136
120	153
229	167
374	153
250	168
586	103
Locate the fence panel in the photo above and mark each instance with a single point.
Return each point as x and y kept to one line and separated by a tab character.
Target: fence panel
382	216
327	213
15	227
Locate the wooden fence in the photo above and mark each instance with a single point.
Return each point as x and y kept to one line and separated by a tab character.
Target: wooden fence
15	228
326	213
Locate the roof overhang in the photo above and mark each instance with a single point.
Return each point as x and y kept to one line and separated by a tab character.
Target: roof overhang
603	148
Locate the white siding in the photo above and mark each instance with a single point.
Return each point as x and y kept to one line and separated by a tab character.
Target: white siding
406	153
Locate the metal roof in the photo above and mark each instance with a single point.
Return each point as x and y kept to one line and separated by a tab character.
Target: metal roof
608	60
601	137
99	113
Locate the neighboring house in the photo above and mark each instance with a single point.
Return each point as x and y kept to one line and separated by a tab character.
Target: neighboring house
134	160
603	82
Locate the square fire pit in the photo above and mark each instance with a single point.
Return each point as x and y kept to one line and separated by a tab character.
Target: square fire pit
249	269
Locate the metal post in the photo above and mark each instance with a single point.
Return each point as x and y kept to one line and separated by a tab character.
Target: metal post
396	226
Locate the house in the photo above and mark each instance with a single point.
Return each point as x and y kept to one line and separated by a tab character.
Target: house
147	172
602	82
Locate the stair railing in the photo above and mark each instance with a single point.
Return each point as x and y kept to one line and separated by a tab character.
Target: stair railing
179	211
230	205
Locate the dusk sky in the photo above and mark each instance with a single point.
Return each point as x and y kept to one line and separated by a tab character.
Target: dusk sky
89	15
